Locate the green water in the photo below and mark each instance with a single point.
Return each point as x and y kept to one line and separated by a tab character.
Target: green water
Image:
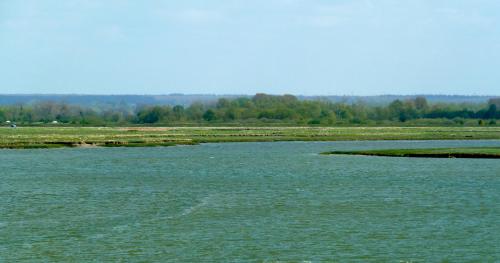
261	202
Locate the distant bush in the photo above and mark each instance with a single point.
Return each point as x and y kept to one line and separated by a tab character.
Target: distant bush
459	121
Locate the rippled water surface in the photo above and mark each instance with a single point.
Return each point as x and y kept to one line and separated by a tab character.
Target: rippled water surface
248	202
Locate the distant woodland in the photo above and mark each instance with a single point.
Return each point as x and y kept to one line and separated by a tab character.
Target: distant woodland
261	109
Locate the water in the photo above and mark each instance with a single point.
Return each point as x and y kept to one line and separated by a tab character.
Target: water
262	202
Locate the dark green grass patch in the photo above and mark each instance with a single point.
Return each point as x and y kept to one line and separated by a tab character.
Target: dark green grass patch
485	152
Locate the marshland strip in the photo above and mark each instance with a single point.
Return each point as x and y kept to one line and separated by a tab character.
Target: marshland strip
51	137
472	152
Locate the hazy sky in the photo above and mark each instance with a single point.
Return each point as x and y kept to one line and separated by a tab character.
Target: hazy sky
344	47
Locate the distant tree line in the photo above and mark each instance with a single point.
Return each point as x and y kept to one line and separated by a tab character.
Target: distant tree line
259	109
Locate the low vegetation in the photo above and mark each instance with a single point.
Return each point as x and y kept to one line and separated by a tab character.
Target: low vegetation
485	152
47	137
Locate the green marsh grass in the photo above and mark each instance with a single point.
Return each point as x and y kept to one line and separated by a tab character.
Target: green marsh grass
483	152
49	137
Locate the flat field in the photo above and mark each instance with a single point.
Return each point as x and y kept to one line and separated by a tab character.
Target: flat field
48	137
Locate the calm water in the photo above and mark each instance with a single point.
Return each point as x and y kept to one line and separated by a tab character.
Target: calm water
248	202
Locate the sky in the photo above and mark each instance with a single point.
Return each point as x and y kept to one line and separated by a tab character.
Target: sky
306	47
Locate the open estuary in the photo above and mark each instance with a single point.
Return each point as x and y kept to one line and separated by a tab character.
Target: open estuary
240	202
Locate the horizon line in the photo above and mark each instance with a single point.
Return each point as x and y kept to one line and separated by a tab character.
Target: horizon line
243	95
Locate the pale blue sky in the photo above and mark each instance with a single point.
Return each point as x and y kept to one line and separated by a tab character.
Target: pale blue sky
310	47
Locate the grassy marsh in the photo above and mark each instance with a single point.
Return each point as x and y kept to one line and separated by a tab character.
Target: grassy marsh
474	152
50	137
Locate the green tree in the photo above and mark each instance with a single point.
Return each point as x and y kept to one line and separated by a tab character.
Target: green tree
209	115
421	103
